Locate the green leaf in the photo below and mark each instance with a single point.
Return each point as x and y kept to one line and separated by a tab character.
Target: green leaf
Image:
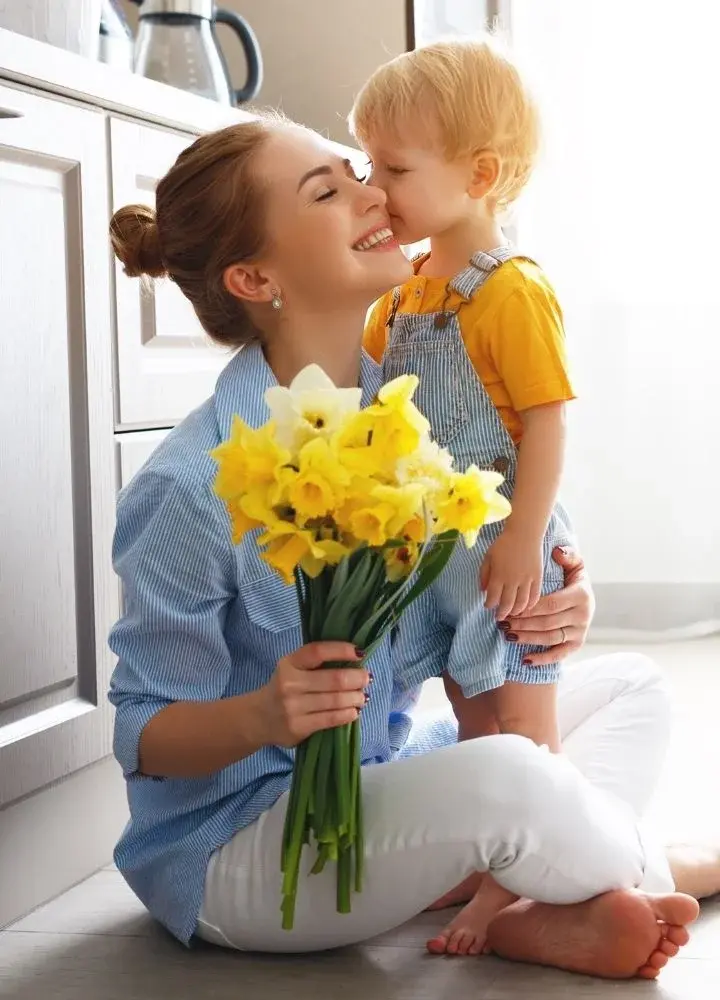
340	577
434	563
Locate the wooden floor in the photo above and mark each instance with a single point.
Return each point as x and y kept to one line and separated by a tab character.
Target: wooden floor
96	942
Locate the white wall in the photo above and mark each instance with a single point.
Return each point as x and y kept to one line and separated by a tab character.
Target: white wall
624	214
317	54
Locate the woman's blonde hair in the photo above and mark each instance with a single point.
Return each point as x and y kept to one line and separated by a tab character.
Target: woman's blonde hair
209	214
477	100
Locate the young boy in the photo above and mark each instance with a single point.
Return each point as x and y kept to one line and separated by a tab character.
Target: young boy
452	136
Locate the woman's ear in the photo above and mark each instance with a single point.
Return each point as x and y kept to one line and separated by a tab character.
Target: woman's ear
485	173
248	283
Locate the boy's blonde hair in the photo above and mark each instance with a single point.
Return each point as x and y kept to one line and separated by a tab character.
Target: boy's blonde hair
476	96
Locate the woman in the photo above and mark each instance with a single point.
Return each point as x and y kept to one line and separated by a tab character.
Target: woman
267	232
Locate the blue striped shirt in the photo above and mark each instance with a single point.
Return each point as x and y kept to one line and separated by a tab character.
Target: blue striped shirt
206	620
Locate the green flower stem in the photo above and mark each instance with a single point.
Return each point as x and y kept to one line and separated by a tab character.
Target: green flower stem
297	836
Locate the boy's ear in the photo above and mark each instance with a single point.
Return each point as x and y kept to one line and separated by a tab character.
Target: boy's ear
485	173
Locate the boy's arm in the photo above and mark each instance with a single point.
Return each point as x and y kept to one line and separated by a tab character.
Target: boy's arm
375	335
526	347
539	470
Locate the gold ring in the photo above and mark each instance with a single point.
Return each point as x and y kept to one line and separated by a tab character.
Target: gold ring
562	633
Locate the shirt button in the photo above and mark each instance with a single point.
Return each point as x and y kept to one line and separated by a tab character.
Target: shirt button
418	293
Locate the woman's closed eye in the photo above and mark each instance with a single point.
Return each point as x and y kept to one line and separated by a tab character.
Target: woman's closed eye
330	192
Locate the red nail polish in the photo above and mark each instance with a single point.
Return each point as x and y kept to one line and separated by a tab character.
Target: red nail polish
527	662
359	652
371	675
511	636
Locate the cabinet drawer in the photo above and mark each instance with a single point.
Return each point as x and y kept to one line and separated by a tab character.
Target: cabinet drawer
166	364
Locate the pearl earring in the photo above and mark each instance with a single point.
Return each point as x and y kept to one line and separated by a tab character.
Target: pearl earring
276	301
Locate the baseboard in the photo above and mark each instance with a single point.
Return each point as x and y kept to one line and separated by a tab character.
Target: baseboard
54	839
664	610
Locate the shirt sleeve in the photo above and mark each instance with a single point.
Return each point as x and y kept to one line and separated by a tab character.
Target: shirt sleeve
173	554
527	345
375	337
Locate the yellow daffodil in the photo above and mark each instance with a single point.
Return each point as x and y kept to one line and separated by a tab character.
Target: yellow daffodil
370	524
311	406
470	501
316	484
240	522
332	552
283	545
249	459
400	560
407	503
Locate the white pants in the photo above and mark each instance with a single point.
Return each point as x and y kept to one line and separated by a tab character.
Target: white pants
496	804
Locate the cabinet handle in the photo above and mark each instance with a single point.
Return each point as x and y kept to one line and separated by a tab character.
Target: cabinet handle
9	113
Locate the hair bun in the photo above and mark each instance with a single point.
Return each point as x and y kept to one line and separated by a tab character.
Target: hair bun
136	242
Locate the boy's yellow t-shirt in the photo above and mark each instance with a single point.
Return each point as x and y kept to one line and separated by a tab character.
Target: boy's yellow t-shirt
512	330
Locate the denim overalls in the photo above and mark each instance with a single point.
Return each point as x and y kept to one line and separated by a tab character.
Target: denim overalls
464	420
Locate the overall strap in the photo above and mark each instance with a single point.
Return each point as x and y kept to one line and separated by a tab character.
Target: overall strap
481	266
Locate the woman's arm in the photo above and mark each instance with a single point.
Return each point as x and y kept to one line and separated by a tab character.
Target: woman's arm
173	553
193	739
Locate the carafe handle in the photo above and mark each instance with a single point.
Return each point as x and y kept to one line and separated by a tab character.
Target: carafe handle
250	45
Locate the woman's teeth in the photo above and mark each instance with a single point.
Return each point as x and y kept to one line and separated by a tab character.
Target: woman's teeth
377	238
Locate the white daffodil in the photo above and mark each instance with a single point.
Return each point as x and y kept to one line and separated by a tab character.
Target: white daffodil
428	464
311	406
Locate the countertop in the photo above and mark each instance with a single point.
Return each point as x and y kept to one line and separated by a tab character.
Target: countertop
45	67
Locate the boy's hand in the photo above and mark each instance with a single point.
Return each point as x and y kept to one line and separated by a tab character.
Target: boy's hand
511	574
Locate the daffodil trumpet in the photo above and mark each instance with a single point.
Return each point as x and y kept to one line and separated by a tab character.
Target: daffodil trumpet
361	510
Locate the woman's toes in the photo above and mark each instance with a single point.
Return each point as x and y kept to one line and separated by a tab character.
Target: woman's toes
678	935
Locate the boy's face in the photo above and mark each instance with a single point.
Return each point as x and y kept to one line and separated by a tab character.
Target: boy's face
426	194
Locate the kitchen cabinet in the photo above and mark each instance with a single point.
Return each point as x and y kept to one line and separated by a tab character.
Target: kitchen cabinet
57	592
166	363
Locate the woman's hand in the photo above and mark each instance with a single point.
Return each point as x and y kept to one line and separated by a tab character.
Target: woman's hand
303	696
559	621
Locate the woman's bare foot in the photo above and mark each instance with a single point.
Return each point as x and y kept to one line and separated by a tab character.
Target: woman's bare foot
695	868
620	935
467	933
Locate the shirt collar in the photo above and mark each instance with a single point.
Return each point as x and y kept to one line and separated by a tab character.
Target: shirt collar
240	389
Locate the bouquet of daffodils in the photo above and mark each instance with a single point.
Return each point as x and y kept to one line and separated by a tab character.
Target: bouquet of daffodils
361	510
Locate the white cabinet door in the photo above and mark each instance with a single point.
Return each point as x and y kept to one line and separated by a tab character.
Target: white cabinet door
58	596
166	363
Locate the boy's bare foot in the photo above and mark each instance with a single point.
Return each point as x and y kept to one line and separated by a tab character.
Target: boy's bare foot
695	868
620	935
462	893
467	933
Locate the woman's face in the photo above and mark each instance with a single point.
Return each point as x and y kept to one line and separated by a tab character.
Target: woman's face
330	245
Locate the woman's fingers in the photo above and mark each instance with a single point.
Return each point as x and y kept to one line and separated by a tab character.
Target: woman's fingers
328	720
332	679
550	655
543	637
331	701
315	654
542	623
552	604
